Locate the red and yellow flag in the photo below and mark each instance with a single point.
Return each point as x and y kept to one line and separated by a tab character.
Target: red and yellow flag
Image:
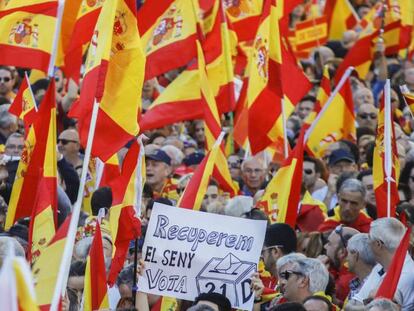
125	225
24	104
193	194
167	29
26	33
113	77
81	26
46	268
409	99
95	289
281	199
182	100
38	163
386	166
334	122
341	17
16	285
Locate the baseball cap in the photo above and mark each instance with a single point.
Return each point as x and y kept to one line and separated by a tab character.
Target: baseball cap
160	156
194	158
341	155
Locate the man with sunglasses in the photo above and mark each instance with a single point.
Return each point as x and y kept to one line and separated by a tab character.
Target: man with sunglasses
367	116
69	146
6	83
335	258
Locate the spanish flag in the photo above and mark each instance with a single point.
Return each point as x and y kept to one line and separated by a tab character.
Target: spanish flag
27	30
193	194
24	105
76	34
212	131
46	268
167	29
95	289
335	121
42	221
386	166
38	162
17	292
341	17
125	225
281	199
181	100
113	78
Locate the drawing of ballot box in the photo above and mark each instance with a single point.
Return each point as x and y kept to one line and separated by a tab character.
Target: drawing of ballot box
228	276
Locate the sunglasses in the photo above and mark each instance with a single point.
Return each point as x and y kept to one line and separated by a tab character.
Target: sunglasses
5	79
339	231
365	116
286	274
234	165
308	171
65	141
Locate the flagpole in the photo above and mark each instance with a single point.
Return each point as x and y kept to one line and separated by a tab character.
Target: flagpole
50	71
387	143
285	139
345	76
70	239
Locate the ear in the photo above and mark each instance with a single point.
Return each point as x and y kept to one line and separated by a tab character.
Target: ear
303	282
342	253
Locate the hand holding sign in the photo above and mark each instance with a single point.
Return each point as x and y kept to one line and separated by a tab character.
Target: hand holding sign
187	253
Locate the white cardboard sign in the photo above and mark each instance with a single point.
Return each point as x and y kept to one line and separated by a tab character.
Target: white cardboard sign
188	252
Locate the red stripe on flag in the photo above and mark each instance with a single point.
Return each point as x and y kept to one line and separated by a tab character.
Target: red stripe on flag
246	28
46	8
150	12
24	57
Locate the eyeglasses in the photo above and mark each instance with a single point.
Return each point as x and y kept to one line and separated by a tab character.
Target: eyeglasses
234	165
308	171
12	146
5	79
286	274
249	171
66	141
339	231
365	116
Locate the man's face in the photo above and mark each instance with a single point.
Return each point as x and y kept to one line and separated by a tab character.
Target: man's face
367	116
350	204
253	173
362	143
289	285
316	305
305	108
68	142
6	82
269	259
332	247
234	166
309	174
351	259
157	172
342	166
363	96
212	195
14	146
368	183
199	131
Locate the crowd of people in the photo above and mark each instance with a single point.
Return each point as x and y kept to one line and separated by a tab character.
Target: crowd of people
339	252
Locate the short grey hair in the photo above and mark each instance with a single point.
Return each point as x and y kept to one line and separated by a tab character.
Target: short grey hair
360	243
82	248
310	267
353	185
388	230
384	304
15	135
6	118
176	155
254	158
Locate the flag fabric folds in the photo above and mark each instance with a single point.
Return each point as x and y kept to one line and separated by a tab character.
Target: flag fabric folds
124	223
113	77
95	289
45	270
17	292
386	166
38	164
280	200
335	121
27	29
167	29
24	105
341	17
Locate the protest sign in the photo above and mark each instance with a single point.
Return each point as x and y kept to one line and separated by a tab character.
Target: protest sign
188	252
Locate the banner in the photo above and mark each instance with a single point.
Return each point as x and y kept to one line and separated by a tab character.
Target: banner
188	252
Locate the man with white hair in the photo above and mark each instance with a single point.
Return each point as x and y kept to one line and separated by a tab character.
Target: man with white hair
385	236
254	172
360	261
300	277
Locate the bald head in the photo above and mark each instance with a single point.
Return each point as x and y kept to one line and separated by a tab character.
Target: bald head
349	38
363	95
68	142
